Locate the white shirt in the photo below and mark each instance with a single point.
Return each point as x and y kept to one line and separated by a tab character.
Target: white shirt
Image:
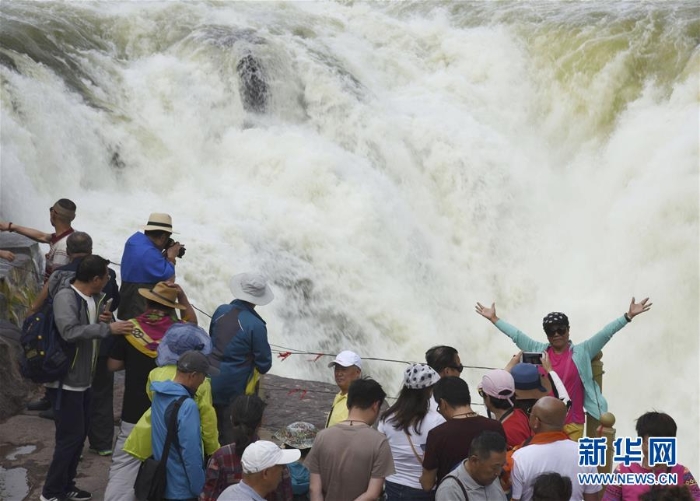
559	457
408	468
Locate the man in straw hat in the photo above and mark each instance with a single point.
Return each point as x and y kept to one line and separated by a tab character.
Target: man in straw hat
148	258
61	215
136	354
239	339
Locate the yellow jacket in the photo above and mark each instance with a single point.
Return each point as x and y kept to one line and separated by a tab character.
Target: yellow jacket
138	443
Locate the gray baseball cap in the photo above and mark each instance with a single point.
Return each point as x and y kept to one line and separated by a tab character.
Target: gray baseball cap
196	361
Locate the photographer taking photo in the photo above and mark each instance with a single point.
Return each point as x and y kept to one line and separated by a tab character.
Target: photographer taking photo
148	258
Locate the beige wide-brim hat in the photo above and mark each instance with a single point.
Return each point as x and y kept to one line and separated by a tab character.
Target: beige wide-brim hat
162	294
252	288
159	221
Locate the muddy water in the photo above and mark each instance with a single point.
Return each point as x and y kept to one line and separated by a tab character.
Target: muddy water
13	481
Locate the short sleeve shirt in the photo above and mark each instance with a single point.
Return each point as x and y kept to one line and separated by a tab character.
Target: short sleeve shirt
347	456
448	444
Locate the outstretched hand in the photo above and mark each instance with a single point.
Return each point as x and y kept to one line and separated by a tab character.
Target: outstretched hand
485	312
637	308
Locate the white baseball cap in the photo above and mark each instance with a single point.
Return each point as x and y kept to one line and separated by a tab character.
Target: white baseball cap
262	455
347	359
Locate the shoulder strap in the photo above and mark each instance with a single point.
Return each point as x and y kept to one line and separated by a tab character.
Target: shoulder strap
413	447
172	428
461	485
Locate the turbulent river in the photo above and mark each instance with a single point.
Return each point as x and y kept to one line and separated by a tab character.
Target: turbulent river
385	165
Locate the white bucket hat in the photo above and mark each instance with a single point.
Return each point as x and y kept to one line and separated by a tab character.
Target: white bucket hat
252	288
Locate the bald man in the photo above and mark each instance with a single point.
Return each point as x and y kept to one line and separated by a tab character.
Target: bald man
550	450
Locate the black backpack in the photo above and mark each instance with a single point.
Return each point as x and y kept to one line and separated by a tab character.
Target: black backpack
47	357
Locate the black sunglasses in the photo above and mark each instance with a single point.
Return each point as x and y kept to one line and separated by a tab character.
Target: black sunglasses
459	368
561	331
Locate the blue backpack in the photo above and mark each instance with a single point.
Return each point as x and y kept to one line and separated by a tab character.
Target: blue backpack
47	357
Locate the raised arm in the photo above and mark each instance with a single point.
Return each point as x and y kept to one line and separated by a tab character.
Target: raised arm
601	338
36	235
522	340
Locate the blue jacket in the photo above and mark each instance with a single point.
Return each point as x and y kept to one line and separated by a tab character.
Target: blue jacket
239	343
183	481
143	262
593	400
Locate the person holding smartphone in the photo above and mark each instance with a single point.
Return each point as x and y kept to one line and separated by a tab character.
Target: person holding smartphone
571	361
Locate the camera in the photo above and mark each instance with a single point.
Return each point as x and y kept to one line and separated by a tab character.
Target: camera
170	243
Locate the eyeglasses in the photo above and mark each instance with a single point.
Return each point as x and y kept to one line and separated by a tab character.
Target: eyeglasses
459	368
558	331
481	393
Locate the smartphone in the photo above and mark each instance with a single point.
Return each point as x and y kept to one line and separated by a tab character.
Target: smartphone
531	357
106	308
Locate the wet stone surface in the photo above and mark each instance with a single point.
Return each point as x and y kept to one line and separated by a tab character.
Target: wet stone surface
27	441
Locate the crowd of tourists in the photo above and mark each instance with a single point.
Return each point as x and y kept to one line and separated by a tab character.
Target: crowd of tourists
190	398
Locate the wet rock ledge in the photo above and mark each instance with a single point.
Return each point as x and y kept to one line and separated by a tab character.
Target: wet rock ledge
26	440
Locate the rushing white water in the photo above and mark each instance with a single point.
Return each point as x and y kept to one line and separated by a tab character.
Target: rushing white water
411	160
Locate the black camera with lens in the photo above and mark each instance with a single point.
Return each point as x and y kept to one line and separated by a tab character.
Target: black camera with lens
170	243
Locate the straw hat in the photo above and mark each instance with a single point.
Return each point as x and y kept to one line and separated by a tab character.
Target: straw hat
159	221
163	294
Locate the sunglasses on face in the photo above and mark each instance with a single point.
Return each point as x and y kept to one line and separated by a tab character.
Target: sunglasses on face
558	331
459	368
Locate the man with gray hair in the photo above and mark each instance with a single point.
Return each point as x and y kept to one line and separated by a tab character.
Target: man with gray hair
239	345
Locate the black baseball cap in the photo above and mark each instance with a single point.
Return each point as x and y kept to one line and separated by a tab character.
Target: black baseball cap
196	361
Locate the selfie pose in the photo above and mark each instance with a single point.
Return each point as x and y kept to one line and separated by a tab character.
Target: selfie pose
571	361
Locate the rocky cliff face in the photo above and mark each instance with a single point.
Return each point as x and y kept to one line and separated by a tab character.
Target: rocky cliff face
20	280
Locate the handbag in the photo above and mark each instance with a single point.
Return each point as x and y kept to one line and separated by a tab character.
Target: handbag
151	480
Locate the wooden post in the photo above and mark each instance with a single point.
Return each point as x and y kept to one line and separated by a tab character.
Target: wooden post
607	421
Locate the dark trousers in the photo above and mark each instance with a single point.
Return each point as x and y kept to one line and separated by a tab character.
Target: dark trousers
72	420
101	433
224	424
396	492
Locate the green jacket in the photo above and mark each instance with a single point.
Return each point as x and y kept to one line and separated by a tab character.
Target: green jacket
138	443
593	401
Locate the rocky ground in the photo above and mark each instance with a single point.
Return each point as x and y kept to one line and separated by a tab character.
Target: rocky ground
26	440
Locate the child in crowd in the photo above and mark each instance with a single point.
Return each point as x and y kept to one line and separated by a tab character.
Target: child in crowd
225	468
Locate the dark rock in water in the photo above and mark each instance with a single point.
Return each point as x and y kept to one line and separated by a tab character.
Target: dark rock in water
8	62
116	161
253	86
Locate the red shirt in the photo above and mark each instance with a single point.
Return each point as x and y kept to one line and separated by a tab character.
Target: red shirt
517	428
